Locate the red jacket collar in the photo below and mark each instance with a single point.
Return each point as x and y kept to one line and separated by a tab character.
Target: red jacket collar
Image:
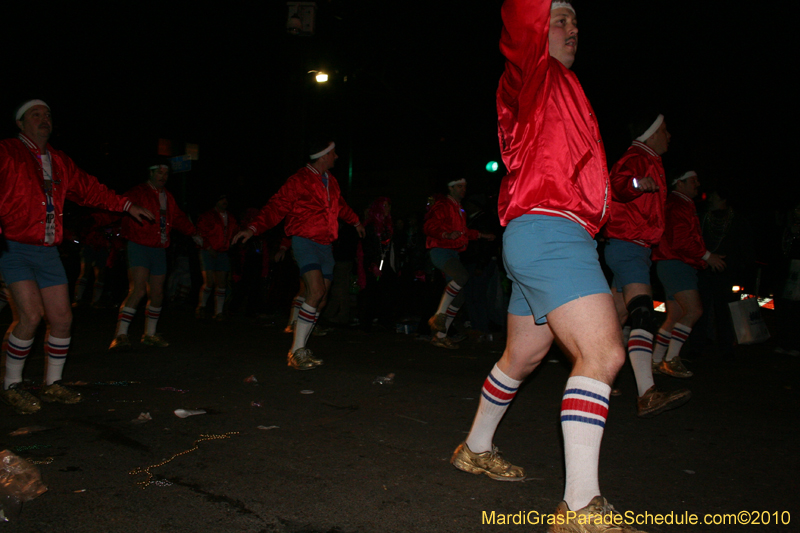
32	146
644	147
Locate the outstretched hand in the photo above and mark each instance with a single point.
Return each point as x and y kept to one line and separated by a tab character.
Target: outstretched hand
716	262
243	235
646	184
140	213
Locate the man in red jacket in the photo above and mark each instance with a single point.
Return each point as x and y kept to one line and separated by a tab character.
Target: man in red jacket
35	180
446	235
312	204
147	257
217	227
553	201
679	255
635	225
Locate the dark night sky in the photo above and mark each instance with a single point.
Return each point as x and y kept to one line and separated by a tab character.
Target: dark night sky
418	103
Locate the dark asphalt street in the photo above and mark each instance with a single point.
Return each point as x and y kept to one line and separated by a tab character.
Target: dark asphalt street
358	457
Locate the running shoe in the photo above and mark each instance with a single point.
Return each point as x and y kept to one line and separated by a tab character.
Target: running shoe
154	340
654	401
444	342
675	368
490	463
120	342
23	402
598	516
61	394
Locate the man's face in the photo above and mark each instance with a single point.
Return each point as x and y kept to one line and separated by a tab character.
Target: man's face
659	141
563	35
690	186
327	160
222	204
158	177
36	123
459	190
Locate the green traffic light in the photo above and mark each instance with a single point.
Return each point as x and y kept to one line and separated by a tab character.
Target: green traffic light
492	166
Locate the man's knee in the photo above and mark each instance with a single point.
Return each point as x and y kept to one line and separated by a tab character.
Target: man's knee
640	312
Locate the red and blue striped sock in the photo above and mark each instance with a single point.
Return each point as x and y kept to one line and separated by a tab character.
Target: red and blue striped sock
584	410
125	317
497	392
17	351
306	317
680	333
640	351
450	292
56	350
661	345
152	314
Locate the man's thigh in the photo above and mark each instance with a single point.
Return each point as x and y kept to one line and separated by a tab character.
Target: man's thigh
588	330
57	308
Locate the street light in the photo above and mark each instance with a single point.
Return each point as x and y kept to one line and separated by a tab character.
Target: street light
321	77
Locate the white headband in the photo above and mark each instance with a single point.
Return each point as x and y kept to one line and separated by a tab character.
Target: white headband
27	105
686	176
156	167
323	152
456	182
556	5
651	130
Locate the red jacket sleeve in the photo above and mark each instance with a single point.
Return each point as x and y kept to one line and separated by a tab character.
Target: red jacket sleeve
683	233
524	41
277	208
84	189
622	179
437	221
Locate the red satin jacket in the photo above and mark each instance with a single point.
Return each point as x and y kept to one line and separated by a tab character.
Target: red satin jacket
682	239
148	233
216	236
22	197
637	216
311	209
447	216
549	137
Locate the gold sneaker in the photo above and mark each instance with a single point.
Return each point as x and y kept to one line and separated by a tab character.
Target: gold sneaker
154	340
59	393
444	342
655	366
303	359
489	463
675	368
120	343
598	516
438	323
23	402
654	401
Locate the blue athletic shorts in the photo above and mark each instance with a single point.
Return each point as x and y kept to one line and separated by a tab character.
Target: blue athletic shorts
440	256
20	262
211	261
313	256
629	262
676	276
550	261
153	259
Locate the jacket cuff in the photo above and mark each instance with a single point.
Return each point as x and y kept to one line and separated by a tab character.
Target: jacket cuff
706	255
